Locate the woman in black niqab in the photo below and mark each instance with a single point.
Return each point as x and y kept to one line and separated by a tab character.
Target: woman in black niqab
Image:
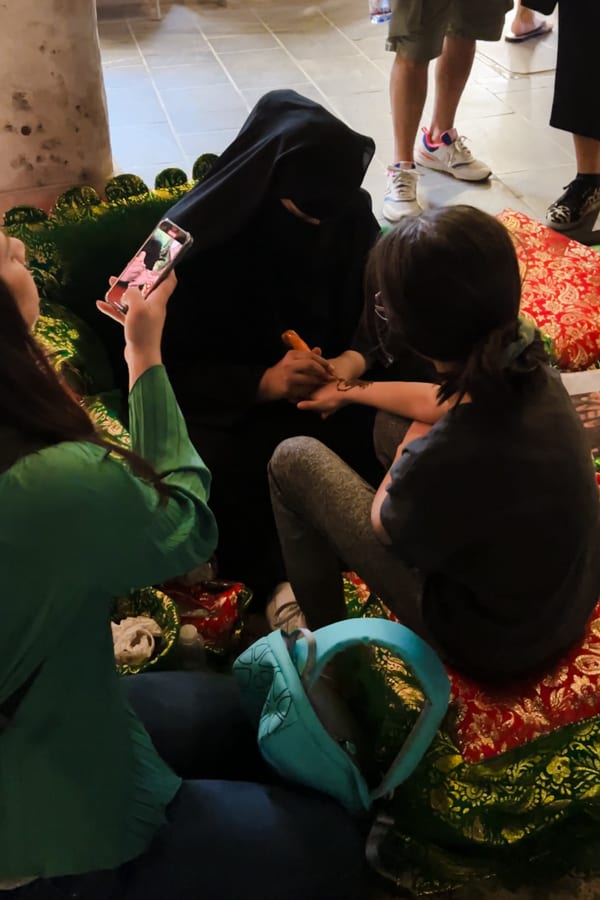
257	268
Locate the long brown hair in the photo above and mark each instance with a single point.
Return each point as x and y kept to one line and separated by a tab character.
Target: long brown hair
34	402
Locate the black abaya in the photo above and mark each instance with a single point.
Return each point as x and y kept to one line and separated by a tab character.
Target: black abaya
255	271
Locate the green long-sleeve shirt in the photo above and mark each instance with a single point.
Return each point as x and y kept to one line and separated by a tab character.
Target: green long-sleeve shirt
81	787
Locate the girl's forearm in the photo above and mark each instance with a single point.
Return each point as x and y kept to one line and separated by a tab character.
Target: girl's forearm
411	399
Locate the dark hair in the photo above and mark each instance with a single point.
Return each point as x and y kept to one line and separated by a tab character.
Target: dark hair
37	405
153	251
450	282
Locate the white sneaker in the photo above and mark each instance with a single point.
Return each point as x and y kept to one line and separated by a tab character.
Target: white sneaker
401	194
282	610
451	155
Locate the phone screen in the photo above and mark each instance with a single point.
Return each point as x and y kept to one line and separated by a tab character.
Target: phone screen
155	258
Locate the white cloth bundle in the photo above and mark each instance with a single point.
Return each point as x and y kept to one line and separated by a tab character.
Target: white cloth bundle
134	639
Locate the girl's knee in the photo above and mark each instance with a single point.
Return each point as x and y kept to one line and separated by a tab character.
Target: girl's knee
292	456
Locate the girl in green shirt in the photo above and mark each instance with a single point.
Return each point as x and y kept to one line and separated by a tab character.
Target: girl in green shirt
88	808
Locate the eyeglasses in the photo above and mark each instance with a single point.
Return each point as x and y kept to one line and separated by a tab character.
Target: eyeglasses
382	327
380	310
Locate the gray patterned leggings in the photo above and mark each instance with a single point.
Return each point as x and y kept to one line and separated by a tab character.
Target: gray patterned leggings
323	514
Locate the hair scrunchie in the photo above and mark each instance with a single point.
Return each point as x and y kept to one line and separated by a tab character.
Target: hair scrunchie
526	336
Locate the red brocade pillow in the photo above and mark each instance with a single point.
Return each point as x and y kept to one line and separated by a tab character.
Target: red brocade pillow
561	289
485	723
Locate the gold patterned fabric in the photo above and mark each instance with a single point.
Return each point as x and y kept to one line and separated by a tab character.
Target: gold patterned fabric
561	289
530	810
74	350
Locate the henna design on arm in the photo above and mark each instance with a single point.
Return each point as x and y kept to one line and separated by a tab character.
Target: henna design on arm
346	384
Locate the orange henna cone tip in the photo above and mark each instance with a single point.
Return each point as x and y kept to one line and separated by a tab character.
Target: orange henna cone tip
294	341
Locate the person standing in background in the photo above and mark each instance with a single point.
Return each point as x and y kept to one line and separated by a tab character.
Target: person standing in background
527	25
419	31
573	108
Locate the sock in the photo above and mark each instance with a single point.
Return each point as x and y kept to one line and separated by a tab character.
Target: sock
589	180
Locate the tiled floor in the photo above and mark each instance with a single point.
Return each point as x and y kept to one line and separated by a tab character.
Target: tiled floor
182	86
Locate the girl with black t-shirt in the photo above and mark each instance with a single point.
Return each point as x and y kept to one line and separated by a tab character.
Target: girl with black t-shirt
484	534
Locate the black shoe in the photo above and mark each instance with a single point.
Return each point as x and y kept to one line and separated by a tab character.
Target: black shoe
580	199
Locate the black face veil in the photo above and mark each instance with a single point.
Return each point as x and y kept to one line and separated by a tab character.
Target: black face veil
288	147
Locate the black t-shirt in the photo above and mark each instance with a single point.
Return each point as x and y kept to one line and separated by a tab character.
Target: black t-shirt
500	513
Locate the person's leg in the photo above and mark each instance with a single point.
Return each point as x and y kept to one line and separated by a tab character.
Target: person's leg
578	27
197	724
408	91
451	75
441	147
240	840
323	515
416	35
527	24
388	433
587	154
248	548
581	197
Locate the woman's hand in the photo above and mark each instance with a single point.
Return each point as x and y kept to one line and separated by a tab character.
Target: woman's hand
142	324
327	399
296	376
349	365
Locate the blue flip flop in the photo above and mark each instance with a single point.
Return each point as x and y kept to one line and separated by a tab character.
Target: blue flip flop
540	31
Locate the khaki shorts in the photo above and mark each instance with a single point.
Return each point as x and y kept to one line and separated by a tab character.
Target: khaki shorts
418	27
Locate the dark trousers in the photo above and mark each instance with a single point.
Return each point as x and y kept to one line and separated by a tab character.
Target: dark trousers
226	838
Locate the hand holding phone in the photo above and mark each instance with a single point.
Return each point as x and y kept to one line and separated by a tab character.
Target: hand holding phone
157	256
142	325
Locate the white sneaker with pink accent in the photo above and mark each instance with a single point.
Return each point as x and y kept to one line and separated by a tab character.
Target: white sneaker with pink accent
451	155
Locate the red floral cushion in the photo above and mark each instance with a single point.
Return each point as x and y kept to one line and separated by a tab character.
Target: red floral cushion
561	289
484	723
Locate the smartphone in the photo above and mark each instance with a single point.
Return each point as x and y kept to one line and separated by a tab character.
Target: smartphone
152	263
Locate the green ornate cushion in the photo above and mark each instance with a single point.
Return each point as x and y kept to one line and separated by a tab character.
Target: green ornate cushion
84	239
528	813
74	349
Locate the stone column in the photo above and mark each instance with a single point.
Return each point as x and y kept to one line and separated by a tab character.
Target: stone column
53	116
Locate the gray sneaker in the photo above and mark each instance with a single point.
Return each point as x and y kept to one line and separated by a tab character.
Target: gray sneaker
401	195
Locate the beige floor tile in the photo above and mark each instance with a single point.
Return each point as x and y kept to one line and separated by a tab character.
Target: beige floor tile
205	70
225	21
539	187
373	47
125	76
207	142
532	56
438	189
478	101
261	40
368	112
324	42
176	19
510	144
258	68
135	105
291	19
144	145
171	44
345	75
206	108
